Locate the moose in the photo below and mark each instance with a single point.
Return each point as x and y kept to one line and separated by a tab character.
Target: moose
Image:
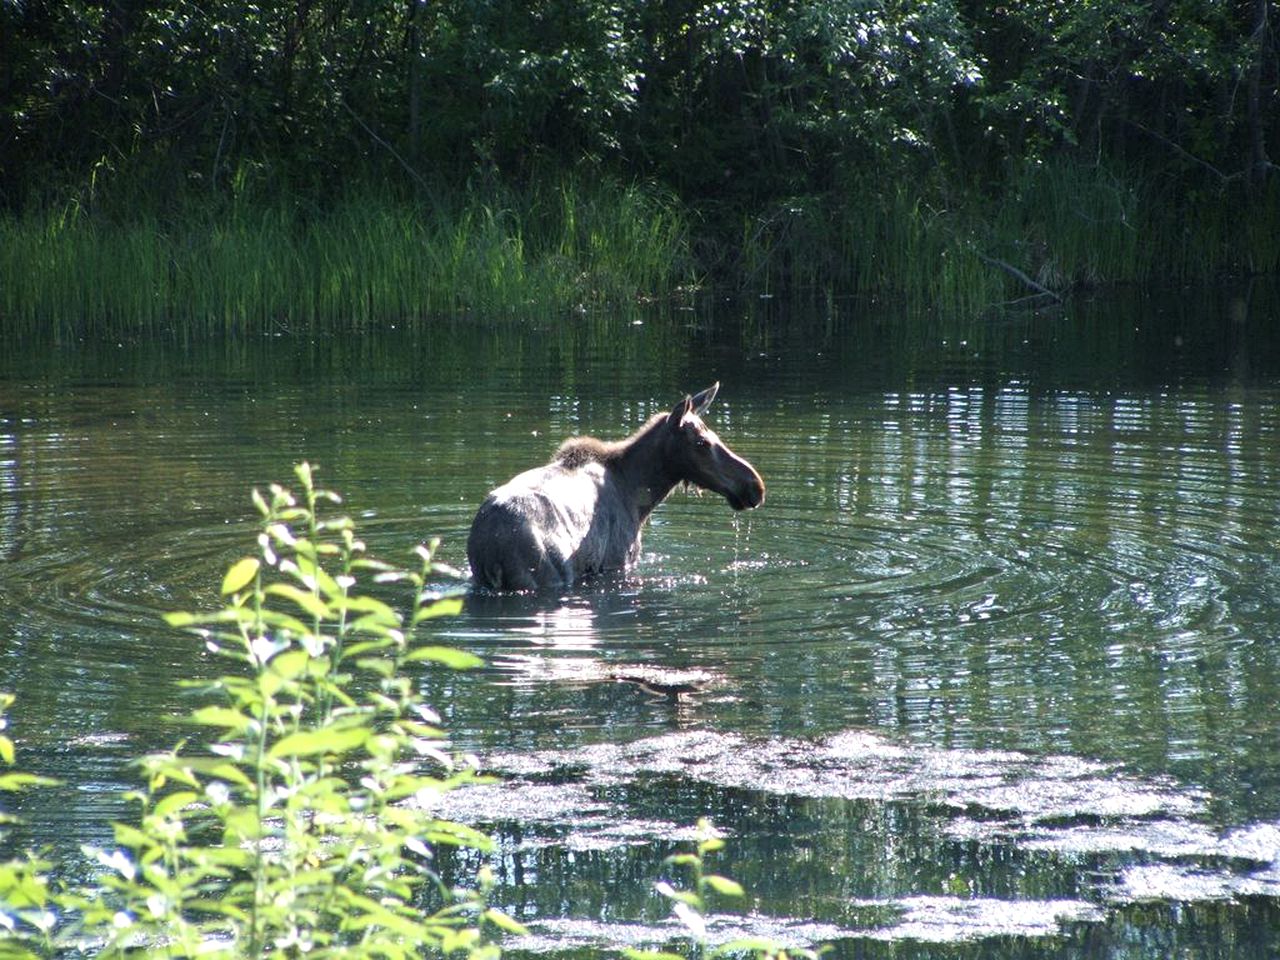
581	514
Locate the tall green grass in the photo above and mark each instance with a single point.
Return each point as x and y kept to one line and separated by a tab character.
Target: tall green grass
1063	226
371	257
568	242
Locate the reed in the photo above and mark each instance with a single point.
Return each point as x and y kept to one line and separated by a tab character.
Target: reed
367	258
569	243
1061	226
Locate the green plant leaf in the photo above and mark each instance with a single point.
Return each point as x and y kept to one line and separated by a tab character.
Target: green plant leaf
6	750
259	502
723	885
174	802
380	665
375	625
369	605
309	602
310	743
239	575
312	572
131	837
20	781
223	717
446	607
449	656
504	922
364	646
225	615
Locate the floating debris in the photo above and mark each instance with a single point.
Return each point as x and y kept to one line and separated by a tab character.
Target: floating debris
662	681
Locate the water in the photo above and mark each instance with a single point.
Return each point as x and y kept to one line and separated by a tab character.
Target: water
992	673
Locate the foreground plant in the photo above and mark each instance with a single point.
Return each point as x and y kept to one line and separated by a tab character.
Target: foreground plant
26	917
304	827
690	905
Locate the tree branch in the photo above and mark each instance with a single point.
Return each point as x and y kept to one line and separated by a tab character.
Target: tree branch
1019	275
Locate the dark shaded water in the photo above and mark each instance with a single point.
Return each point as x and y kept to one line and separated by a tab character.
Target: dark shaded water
994	671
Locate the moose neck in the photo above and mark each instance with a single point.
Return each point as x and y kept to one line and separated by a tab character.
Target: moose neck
644	467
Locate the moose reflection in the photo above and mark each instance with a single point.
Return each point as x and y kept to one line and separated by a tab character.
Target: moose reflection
582	513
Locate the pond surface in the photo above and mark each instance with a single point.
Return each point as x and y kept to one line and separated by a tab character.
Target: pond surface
994	672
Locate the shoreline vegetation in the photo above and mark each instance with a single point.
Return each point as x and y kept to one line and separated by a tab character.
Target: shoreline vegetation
321	165
575	243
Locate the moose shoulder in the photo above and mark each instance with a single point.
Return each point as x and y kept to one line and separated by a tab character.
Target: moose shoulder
582	513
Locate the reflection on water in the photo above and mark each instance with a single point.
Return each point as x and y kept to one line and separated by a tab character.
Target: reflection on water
1023	574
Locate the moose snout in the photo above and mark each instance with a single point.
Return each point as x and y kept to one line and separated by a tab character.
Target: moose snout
750	494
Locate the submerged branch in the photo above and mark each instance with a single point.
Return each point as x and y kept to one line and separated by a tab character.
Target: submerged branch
1019	275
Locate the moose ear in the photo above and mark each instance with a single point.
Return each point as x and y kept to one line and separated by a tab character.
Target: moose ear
679	412
703	400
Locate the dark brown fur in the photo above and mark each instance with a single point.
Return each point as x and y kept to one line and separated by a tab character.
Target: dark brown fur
577	451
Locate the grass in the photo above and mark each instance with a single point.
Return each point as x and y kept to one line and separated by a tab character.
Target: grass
568	242
369	258
1063	226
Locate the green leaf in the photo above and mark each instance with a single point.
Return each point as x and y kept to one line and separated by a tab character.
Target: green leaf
131	837
6	750
375	625
241	572
504	922
225	856
364	646
633	954
449	656
311	571
447	607
379	665
310	743
369	605
307	601
225	615
730	888
290	664
20	781
223	717
229	771
174	802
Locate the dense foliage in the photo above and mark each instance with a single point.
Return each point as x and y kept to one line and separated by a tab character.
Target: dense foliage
743	111
758	96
